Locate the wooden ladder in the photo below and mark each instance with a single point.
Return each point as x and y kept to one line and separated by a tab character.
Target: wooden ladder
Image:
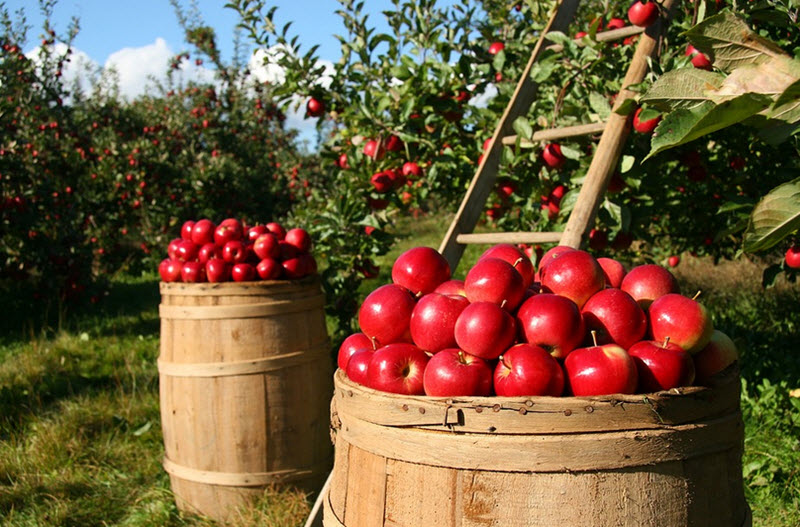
604	162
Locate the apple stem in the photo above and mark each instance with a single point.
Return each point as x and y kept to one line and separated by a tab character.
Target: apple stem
374	343
594	337
461	357
519	261
666	342
696	295
503	303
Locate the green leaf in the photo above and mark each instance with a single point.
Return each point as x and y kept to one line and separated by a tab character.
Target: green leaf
499	61
787	106
627	107
600	105
727	40
558	37
683	88
774	217
523	127
626	164
571	153
684	125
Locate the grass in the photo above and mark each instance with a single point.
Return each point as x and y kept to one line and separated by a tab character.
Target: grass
80	437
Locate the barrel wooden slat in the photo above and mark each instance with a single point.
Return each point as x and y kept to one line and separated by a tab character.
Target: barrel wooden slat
640	472
245	380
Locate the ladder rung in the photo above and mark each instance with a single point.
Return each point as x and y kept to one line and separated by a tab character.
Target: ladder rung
509	237
557	133
606	36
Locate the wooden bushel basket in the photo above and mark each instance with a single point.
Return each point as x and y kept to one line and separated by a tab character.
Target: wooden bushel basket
669	459
245	375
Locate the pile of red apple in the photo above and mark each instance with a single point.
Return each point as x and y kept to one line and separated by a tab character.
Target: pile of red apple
578	325
233	251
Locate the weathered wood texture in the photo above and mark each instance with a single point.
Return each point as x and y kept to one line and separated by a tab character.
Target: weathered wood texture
245	376
670	459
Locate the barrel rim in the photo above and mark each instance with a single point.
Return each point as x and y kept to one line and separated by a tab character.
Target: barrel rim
254	287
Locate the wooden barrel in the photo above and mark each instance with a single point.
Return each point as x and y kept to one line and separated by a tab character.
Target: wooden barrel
670	459
245	374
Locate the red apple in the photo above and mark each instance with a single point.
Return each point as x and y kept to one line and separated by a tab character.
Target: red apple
684	320
528	370
575	275
661	365
394	144
397	368
645	127
186	230
228	230
203	232
615	23
600	370
373	149
485	330
614	271
792	258
615	317
255	231
385	314
643	13
494	280
420	270
269	269
276	229
674	260
193	271
234	252
699	60
455	373
647	282
186	251
496	47
267	246
411	170
296	267
553	322
451	287
552	254
349	346
358	365
172	248
598	240
718	354
516	257
218	270
243	272
552	156
433	321
315	107
209	251
299	238
170	270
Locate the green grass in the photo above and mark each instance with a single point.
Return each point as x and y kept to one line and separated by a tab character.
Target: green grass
80	437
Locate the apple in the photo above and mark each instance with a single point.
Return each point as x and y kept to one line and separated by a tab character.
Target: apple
613	316
172	247
394	144
684	320
454	373
397	368
451	287
718	354
528	370
643	13
193	271
598	239
299	238
674	260
350	345
661	365
186	251
218	270
385	314
269	269
170	270
552	155
228	230
276	229
315	107
373	149
411	170
552	254
792	258
699	60
496	47
420	270
494	280
580	34
255	231
615	23
516	257
243	272
358	365
381	182
485	330
645	127
600	370
267	246
552	322
433	321
287	250
208	251
298	266
234	252
342	162
203	232
647	282
575	275
186	230
614	271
